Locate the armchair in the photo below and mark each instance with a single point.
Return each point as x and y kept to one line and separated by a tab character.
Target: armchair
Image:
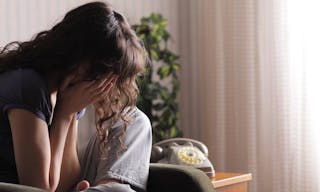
162	178
173	178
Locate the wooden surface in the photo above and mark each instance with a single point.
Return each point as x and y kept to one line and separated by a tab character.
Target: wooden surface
231	182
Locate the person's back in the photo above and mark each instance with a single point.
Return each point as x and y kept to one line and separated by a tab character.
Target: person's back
130	166
24	89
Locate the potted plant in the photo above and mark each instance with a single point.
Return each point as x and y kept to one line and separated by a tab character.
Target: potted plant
160	85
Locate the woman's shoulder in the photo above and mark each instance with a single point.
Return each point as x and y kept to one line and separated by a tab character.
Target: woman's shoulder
140	116
22	81
31	83
31	75
138	120
22	76
27	89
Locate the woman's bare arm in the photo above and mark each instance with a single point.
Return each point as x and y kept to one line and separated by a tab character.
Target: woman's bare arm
38	158
70	172
70	169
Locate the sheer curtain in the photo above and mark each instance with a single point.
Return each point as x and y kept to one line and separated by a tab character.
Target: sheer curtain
304	64
252	76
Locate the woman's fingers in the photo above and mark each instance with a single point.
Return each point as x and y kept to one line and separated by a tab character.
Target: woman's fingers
102	84
66	82
91	91
93	83
103	93
107	83
82	185
75	96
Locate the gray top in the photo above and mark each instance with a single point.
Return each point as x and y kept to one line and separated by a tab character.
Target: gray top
130	166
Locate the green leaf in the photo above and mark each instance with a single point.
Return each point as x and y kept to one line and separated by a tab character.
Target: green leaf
173	131
154	54
158	106
164	94
164	71
175	67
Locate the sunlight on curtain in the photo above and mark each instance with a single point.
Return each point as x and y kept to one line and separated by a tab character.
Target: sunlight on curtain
256	103
304	59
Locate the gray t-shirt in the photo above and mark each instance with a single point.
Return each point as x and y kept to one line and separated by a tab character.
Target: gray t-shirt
130	166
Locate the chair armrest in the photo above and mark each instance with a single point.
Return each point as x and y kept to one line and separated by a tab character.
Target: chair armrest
162	178
9	187
173	178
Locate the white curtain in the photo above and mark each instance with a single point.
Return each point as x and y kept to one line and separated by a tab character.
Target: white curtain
304	67
253	80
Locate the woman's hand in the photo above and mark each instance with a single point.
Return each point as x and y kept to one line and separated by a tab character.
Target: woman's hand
73	97
82	185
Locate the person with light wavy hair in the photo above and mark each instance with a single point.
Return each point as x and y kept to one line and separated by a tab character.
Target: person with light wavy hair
90	57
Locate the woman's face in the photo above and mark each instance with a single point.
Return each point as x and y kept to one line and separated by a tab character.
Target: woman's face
81	74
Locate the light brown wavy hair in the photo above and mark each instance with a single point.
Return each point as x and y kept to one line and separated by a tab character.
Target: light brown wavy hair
99	35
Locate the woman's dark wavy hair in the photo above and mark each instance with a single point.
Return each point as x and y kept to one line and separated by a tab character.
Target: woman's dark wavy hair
94	33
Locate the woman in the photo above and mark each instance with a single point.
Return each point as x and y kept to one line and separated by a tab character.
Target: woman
90	57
